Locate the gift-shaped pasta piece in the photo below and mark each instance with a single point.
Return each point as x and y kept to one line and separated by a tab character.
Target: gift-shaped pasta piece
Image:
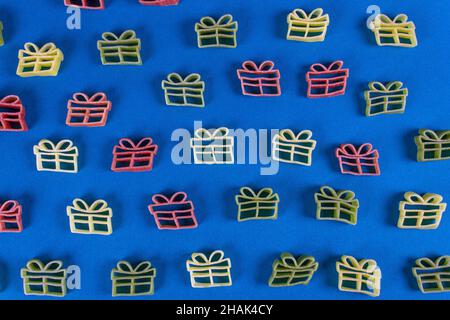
361	276
134	157
86	4
59	157
387	98
11	216
336	205
305	27
421	211
327	81
2	41
209	271
257	205
94	218
433	276
43	61
213	146
129	280
220	33
433	145
120	50
44	279
159	2
12	114
85	111
174	213
362	161
397	32
291	148
291	271
188	91
259	81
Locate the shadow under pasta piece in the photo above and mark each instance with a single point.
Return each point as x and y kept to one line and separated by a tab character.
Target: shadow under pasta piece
37	61
86	4
134	157
261	205
209	271
129	280
174	213
85	111
360	276
259	81
94	218
12	114
397	32
11	217
305	27
120	50
433	145
220	33
362	161
290	271
159	2
59	157
42	279
327	81
336	205
291	148
421	211
432	276
188	91
213	146
387	98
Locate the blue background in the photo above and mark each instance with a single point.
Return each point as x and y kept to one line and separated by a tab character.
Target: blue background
169	45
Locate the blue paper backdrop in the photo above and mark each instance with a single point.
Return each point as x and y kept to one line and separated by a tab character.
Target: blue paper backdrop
169	45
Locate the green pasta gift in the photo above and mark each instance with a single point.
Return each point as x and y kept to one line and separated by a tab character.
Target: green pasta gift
291	271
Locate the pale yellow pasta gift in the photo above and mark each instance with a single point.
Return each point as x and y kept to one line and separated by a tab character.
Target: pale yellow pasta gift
90	219
39	61
305	27
397	32
362	276
421	211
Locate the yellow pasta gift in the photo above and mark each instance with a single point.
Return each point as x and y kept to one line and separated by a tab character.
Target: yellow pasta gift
397	32
305	27
37	61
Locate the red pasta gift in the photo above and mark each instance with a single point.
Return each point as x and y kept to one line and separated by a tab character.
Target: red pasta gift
326	81
11	216
86	4
173	213
362	161
12	114
134	157
159	2
259	81
85	111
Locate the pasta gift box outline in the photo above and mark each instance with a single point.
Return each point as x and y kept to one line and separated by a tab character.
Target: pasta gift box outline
134	157
361	161
306	27
37	61
129	280
220	33
11	216
159	2
327	81
261	80
86	4
173	213
12	114
88	111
